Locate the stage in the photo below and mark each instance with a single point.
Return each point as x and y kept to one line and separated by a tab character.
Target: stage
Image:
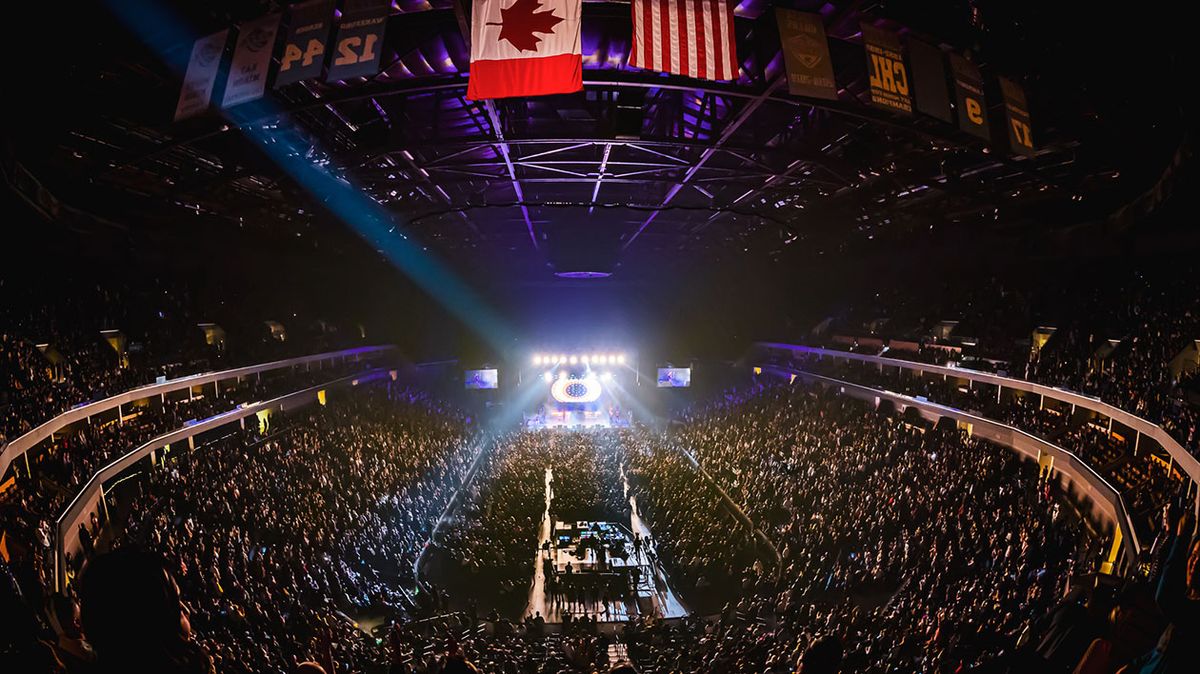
555	415
607	570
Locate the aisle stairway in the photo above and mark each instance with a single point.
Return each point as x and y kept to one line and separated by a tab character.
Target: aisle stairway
617	654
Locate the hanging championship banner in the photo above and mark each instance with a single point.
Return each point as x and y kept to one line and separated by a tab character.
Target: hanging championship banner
359	42
968	86
303	53
887	76
1016	113
929	80
201	75
806	54
251	60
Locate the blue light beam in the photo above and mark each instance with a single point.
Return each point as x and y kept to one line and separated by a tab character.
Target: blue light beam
161	30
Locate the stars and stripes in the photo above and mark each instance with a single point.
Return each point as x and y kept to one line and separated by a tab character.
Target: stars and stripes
693	38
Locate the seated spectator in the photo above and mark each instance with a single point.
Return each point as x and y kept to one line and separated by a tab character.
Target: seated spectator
1178	597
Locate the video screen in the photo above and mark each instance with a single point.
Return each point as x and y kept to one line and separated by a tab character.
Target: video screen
674	377
482	379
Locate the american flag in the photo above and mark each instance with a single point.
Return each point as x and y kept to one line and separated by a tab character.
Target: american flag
685	37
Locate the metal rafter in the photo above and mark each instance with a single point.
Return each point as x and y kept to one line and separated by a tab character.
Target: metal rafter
600	175
731	128
502	147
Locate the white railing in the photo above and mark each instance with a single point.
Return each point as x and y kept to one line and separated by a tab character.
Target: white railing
1179	454
88	500
29	440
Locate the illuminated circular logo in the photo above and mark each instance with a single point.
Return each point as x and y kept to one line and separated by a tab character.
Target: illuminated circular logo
576	390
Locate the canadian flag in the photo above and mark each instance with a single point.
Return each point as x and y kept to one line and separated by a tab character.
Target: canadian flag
525	48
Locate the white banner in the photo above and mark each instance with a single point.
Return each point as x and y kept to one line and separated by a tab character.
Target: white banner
251	60
201	75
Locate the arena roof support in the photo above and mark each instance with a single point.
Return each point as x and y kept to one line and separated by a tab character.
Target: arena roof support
731	128
503	149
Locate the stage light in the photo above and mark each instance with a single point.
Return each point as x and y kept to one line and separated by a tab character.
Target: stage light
607	376
574	360
562	359
562	375
548	377
584	360
621	359
537	360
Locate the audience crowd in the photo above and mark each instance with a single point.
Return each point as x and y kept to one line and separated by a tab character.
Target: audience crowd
277	546
1146	478
55	357
1129	340
806	531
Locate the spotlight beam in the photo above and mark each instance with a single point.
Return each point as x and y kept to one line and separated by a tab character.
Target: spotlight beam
160	29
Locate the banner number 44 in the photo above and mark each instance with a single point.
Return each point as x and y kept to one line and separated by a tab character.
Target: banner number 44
292	54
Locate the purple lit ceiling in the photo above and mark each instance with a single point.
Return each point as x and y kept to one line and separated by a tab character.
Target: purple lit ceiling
656	165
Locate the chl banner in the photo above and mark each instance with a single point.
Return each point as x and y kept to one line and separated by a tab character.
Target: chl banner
929	80
887	76
806	54
251	60
201	75
307	37
972	107
359	41
1016	112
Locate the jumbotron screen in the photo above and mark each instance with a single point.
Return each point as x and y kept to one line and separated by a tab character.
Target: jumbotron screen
482	379
674	377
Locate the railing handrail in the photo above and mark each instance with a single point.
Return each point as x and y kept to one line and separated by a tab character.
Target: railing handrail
90	489
31	438
1121	513
737	511
1188	463
484	444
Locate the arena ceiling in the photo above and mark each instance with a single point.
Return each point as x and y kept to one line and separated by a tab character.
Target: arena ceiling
638	170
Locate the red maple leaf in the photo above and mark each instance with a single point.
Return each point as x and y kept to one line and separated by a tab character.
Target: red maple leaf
520	20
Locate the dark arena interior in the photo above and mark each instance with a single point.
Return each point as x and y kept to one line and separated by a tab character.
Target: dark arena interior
590	336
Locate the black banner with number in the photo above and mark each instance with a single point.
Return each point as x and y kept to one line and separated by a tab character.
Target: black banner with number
887	77
806	54
1016	113
359	42
303	54
930	93
972	106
